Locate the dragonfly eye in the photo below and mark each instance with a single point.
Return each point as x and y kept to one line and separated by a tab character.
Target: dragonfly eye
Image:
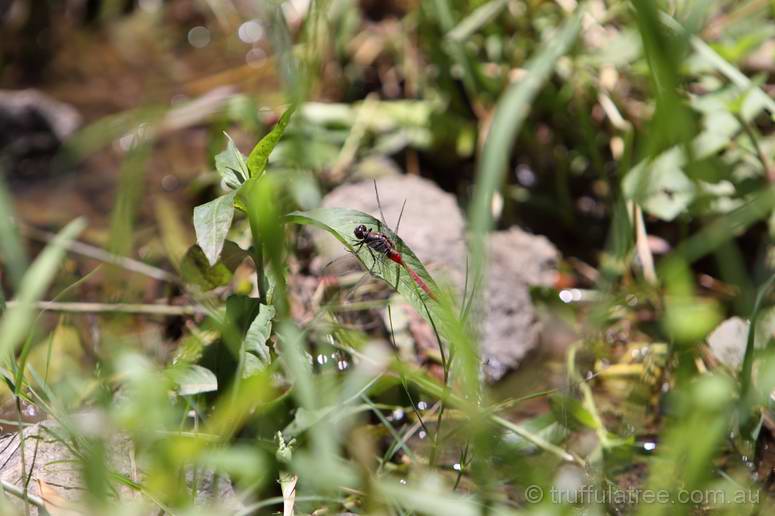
361	232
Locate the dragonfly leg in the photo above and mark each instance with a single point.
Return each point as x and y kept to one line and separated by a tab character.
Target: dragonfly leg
398	275
373	260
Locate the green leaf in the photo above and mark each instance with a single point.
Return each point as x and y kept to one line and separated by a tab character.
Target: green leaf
341	223
251	365
193	379
246	463
259	332
196	269
510	113
211	223
304	419
259	156
747	371
564	406
16	321
476	20
241	310
660	187
231	165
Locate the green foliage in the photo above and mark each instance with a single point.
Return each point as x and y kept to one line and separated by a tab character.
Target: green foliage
341	224
259	156
231	165
648	129
512	109
212	221
196	269
258	335
193	379
15	322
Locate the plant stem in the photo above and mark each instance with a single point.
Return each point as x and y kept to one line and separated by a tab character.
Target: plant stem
99	308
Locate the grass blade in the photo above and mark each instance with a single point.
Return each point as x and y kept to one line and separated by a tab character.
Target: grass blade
16	320
510	113
11	251
474	21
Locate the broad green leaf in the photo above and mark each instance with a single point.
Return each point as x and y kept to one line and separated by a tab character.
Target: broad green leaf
259	156
196	269
341	223
259	332
251	365
660	187
16	321
193	379
231	165
211	223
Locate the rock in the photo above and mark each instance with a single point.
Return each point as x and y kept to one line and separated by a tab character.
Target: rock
728	340
33	127
53	473
518	261
434	228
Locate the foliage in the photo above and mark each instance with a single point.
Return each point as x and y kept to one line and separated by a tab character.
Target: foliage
638	136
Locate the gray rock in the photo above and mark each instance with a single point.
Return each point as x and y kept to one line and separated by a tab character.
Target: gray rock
52	472
434	228
518	261
727	341
33	127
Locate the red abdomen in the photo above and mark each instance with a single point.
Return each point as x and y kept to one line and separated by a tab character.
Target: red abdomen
395	256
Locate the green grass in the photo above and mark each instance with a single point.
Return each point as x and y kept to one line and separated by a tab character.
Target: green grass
642	125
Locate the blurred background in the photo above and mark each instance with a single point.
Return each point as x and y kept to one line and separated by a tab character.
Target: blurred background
616	156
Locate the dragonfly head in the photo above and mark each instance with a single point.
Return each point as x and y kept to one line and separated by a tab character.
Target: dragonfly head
361	232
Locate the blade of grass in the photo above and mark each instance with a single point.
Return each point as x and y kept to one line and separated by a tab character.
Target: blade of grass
746	373
474	21
15	322
471	77
510	113
11	250
731	72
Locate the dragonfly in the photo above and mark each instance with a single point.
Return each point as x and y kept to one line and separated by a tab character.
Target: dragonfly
384	248
377	242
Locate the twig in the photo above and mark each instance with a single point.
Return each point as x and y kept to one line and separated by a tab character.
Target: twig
101	308
18	492
102	255
539	441
642	245
769	171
